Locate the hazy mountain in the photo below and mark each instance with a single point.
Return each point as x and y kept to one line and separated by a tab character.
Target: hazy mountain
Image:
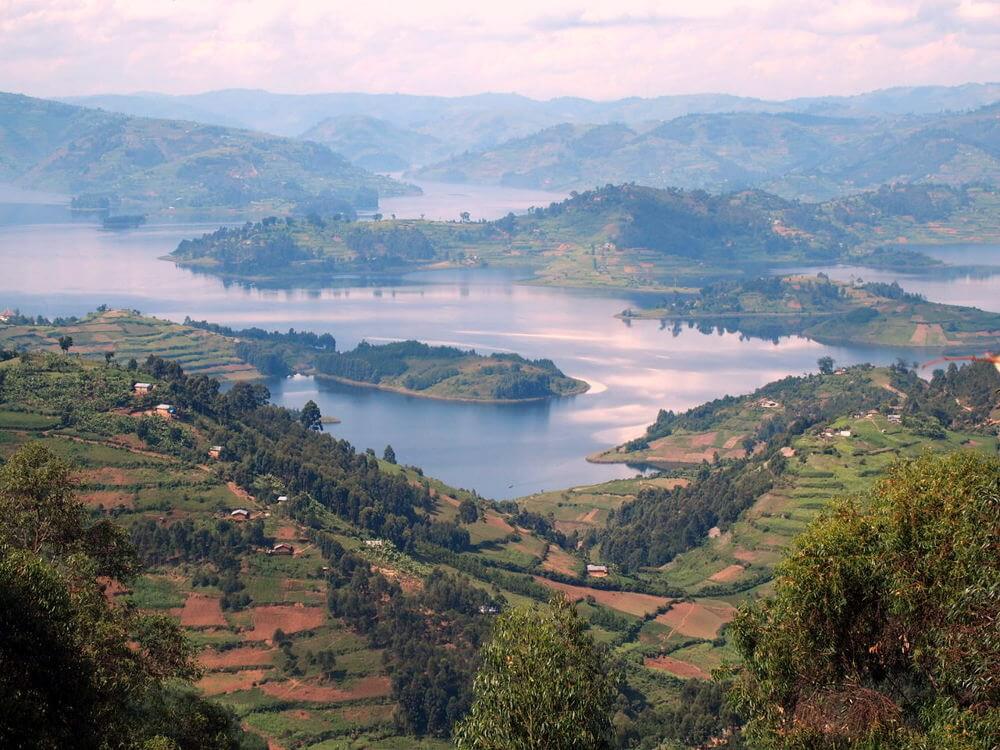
155	163
796	155
486	120
376	144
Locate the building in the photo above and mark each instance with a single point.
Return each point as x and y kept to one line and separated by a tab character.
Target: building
215	452
597	571
141	389
844	433
766	403
895	418
282	548
165	410
240	514
489	609
282	498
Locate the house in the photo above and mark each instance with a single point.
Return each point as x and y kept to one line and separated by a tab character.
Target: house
282	548
840	371
895	418
844	433
282	498
141	389
597	571
714	533
489	609
766	403
7	314
165	410
215	452
240	514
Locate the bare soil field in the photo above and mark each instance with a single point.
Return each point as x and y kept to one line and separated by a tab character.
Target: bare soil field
216	683
289	618
624	601
697	620
367	687
235	657
559	561
676	667
201	611
727	574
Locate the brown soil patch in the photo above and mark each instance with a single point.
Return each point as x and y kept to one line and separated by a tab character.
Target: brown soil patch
107	498
104	475
217	683
408	583
624	601
201	611
560	561
497	522
290	618
697	620
747	555
240	493
733	442
590	516
676	667
368	687
287	533
703	439
727	574
235	657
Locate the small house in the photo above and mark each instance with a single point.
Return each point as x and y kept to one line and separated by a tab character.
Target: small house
489	609
141	389
844	433
767	403
215	452
240	514
895	418
282	498
282	548
597	571
165	410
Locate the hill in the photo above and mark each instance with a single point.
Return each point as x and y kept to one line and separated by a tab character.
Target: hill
832	312
150	164
448	373
792	154
376	144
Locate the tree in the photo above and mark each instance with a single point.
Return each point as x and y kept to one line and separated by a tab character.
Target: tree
465	216
883	631
468	511
542	683
825	365
310	416
389	454
65	342
108	356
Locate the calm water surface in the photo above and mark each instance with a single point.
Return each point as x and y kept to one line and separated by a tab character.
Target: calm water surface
501	450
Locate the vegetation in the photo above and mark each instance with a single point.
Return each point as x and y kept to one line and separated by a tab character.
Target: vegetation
542	683
882	631
155	164
447	372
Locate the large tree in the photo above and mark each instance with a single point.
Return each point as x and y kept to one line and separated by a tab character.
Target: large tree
884	631
543	684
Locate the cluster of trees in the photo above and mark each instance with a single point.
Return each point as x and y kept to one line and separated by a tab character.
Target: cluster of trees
255	247
79	671
370	363
394	242
318	341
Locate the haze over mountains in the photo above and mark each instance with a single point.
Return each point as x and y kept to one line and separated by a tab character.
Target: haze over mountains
815	147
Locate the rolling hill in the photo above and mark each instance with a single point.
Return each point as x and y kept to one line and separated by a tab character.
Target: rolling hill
154	164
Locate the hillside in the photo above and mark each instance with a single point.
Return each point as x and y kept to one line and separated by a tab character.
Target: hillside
794	155
150	164
376	144
623	236
448	373
831	312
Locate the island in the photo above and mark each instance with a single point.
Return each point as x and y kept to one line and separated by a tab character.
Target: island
829	311
126	338
447	372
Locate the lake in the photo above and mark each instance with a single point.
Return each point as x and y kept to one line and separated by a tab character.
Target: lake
500	450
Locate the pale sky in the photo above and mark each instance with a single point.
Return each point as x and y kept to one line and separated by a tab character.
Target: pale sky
541	48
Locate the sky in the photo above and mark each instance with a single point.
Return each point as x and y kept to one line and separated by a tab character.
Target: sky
771	49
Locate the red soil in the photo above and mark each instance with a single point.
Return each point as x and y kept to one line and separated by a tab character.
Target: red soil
676	667
289	618
624	601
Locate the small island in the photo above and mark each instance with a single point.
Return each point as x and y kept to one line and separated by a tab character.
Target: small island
831	312
446	372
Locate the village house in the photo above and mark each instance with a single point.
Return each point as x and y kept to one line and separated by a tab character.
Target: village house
240	514
844	433
489	609
165	410
282	548
282	498
597	571
895	418
215	452
141	389
766	403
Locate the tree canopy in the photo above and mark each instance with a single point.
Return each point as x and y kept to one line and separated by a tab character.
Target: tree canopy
883	631
542	684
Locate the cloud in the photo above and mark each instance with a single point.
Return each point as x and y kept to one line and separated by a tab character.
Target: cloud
766	48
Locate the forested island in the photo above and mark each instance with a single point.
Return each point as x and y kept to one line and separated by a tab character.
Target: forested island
248	354
624	237
447	372
830	312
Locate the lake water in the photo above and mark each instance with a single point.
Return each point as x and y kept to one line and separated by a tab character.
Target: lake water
500	450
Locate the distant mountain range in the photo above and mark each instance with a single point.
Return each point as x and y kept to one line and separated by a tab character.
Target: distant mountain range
474	123
152	164
791	154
